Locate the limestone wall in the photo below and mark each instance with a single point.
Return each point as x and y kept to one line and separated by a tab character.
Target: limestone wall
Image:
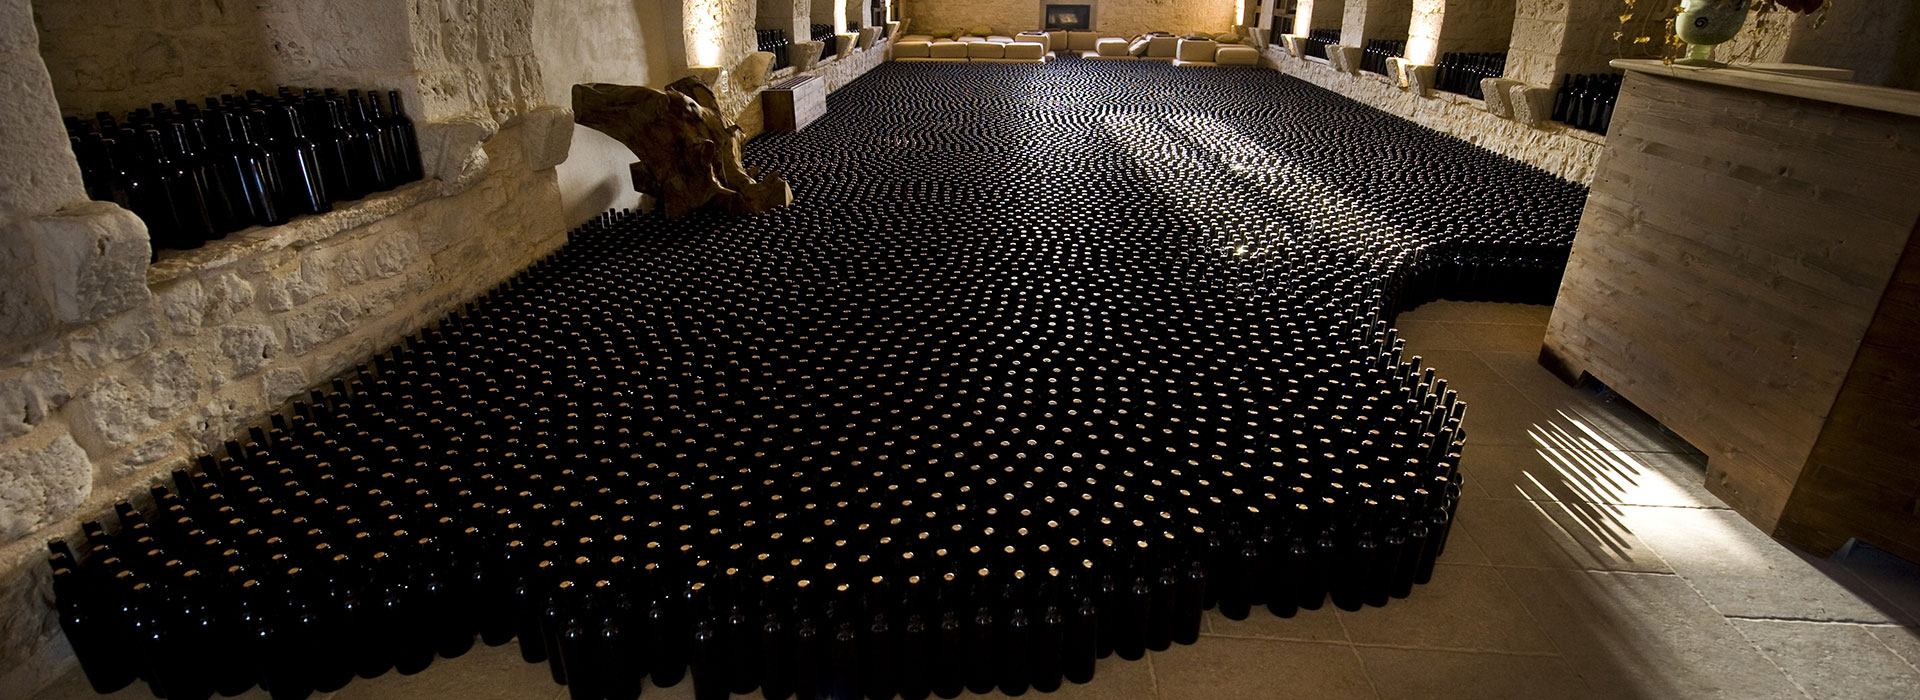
1568	153
608	41
1117	17
1475	26
459	57
1873	38
113	371
1319	14
1365	20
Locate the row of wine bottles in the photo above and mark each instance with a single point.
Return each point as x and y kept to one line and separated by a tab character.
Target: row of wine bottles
1461	73
823	32
196	174
774	41
1586	101
478	481
1318	40
1373	59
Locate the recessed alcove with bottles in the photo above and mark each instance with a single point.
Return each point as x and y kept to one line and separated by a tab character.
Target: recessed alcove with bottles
226	129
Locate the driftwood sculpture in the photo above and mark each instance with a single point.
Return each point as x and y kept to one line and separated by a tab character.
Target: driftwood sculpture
689	152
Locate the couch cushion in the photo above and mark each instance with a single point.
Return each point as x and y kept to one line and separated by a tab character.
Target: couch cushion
926	38
947	49
1083	41
971	39
1027	50
1111	48
1138	47
1163	47
1237	56
1225	38
1196	50
1000	39
985	49
981	30
910	49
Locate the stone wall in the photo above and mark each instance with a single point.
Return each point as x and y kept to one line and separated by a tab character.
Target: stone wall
608	41
1568	153
1475	26
183	355
120	54
1365	20
1319	14
113	371
1873	38
829	12
453	58
1116	17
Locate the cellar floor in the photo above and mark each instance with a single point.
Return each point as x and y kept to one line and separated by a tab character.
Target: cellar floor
1589	563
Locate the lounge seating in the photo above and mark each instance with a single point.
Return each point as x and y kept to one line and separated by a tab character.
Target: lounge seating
1196	51
1037	46
1163	47
1032	51
1111	48
947	49
1237	55
911	49
986	49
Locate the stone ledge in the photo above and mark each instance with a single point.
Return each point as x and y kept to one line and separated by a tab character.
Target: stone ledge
301	232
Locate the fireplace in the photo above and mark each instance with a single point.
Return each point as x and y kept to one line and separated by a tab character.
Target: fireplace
1068	17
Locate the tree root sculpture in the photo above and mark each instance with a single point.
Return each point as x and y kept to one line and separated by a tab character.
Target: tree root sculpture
689	151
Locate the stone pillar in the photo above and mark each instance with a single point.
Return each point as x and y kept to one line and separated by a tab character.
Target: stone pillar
1445	26
1552	38
1317	14
1366	20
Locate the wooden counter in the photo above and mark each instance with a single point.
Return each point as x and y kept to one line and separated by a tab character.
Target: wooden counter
1746	273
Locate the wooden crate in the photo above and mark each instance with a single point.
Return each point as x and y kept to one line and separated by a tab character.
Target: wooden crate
794	103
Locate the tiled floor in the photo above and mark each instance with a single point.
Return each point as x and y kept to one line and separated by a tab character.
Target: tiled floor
1588	562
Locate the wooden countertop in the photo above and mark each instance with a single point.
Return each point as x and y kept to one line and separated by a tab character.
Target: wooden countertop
1883	99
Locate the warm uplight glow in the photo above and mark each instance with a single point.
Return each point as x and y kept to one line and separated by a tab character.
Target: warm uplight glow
1423	33
704	27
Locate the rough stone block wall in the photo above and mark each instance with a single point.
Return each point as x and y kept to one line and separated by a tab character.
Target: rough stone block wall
1423	31
120	54
828	12
188	353
1568	153
607	41
474	57
1320	14
113	371
1475	26
1873	38
1365	20
1116	17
